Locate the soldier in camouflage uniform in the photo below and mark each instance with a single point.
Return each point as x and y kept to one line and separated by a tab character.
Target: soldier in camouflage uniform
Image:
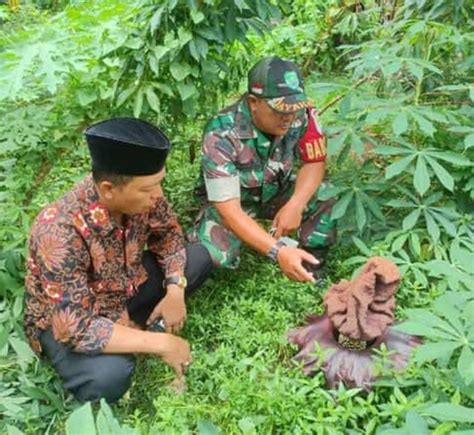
250	152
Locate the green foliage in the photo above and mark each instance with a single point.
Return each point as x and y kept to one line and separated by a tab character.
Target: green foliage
449	331
81	422
175	63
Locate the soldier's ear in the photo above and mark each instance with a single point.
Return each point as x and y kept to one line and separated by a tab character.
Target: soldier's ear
252	101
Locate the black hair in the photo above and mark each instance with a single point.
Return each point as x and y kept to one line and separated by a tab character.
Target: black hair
117	179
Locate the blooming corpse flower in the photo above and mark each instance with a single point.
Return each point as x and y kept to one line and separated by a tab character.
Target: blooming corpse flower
357	320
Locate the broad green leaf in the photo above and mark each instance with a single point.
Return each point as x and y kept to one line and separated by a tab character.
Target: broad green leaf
361	217
106	422
421	179
449	226
469	141
152	99
241	4
444	176
202	47
138	105
193	50
335	145
134	43
415	69
361	245
81	421
426	126
341	206
449	156
86	96
468	313
23	351
247	426
392	67
387	150
197	16
357	144
186	90
399	203
399	242
448	306
159	51
124	96
4	333
450	412
164	88
156	19
372	205
184	36
12	430
416	424
415	245
376	115
153	63
420	276
172	4
400	123
345	104
433	229
431	351
205	427
411	219
433	321
180	71
466	365
398	167
414	328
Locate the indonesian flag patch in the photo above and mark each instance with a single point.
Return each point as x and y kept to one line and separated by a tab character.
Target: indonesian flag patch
257	88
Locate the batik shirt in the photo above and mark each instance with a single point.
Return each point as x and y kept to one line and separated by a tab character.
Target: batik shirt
239	161
82	266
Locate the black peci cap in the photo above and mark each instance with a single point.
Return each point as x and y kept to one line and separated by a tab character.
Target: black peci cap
127	146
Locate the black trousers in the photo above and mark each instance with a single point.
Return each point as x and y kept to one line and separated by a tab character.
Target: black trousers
92	377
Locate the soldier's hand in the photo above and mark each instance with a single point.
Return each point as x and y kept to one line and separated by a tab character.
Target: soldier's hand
287	220
291	260
176	353
172	308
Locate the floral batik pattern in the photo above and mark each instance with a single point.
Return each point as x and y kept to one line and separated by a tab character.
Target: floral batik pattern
82	266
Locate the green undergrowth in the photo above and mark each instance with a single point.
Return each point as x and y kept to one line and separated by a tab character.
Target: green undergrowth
242	379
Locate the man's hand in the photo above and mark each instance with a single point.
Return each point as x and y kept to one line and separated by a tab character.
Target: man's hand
172	308
287	219
176	352
291	260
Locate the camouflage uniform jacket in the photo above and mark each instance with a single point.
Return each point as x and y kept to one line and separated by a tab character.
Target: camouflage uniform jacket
239	161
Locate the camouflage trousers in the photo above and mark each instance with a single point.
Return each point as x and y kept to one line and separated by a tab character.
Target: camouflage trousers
316	231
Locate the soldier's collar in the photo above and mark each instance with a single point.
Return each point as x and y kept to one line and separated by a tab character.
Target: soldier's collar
244	128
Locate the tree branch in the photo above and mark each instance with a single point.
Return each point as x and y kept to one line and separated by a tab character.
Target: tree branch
340	97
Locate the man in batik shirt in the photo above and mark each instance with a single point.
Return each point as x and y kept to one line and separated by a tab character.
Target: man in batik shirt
94	297
251	151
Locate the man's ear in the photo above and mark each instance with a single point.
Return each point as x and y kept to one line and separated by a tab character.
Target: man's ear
252	101
106	189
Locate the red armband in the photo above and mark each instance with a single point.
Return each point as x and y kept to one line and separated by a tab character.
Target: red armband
312	145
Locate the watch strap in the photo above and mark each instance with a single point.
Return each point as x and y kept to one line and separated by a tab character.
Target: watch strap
180	281
273	253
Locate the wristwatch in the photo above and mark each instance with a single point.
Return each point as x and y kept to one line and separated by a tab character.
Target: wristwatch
272	254
180	281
